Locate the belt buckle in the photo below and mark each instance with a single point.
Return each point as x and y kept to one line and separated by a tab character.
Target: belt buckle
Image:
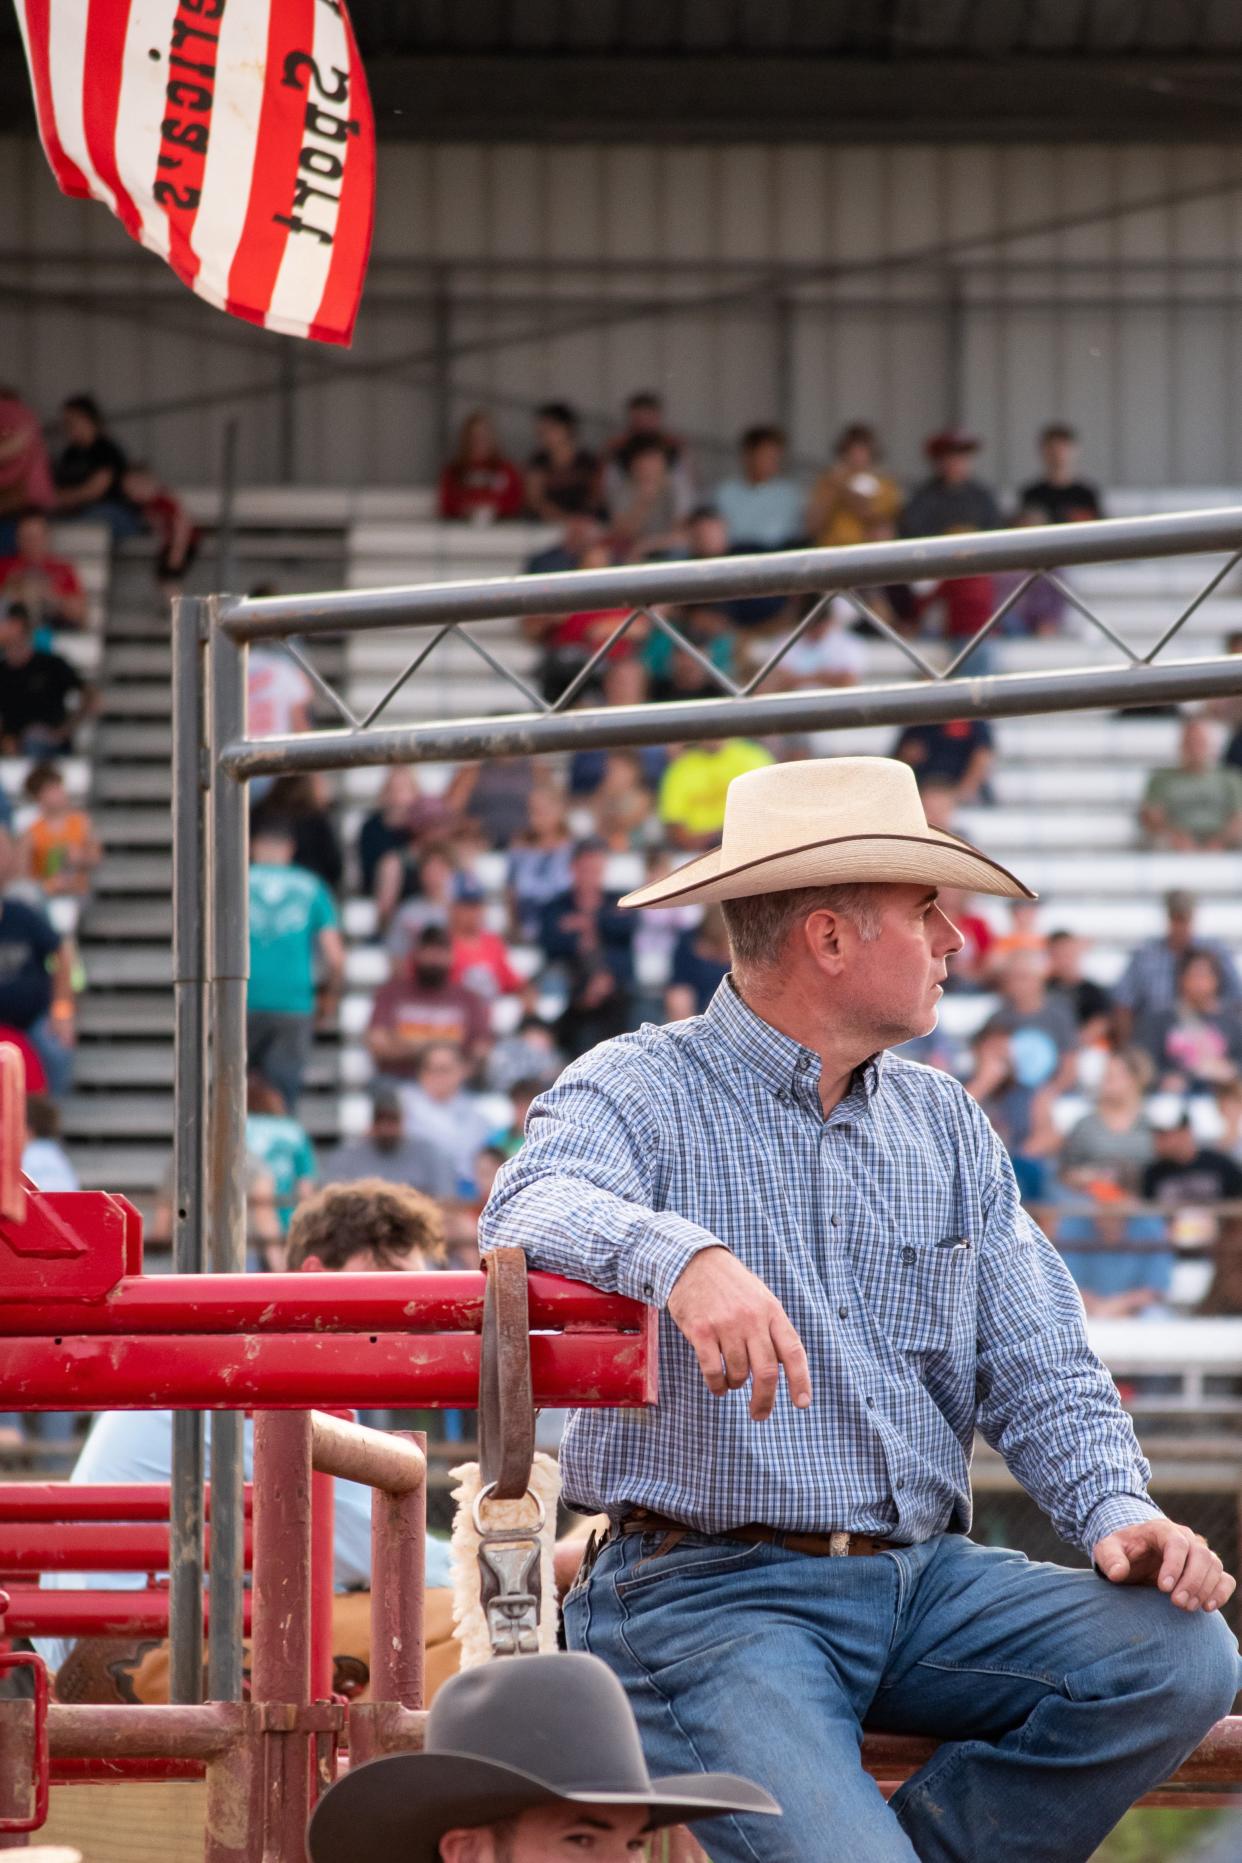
839	1545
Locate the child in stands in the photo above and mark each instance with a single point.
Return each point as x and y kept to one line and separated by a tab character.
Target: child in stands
59	847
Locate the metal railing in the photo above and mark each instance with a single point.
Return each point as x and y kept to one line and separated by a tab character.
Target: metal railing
214	759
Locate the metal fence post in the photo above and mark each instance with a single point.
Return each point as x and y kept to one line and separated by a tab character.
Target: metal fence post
226	1121
189	1094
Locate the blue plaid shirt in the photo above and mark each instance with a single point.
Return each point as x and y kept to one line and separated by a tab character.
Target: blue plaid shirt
891	1232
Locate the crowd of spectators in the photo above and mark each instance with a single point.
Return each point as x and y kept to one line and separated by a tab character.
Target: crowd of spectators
494	896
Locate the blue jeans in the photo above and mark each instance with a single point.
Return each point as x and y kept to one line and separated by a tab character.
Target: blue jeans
1060	1698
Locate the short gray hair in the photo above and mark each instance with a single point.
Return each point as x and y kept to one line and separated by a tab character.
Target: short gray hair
758	926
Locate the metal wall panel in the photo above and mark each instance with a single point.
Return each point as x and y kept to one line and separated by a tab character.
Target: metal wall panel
910	285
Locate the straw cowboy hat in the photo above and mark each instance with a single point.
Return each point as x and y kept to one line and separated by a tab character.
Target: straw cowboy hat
504	1738
825	822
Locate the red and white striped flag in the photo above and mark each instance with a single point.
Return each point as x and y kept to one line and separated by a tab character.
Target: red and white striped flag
233	137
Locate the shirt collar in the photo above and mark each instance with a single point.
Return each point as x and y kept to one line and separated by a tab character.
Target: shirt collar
782	1063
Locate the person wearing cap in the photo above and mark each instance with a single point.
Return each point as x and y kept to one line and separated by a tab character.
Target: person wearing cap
524	1761
952	498
848	1286
1149	984
480	958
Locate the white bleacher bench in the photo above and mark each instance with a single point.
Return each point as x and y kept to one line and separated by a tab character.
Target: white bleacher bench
1192	1349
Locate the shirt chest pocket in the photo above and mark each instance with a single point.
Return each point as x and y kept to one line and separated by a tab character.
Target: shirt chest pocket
919	1287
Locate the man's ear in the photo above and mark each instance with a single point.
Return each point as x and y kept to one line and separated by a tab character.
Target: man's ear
311	1264
467	1847
823	934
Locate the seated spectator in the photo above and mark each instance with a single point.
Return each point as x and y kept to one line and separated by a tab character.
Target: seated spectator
622	805
647	515
414	892
1196	1045
853	495
676	674
1198	802
1016	1087
393	826
462	1212
1091	1003
480	958
281	1147
293	930
278	692
1036	609
389	1152
962	606
826	654
762	506
625	683
525	1092
59	847
1229	1106
25	471
44	1159
562	479
439	1110
1059	496
478	483
952	498
43	698
1023	933
583	927
692	790
1149	985
303	802
421	1004
707	534
48	587
163	514
644	422
36	982
1042	1029
580	532
1228	711
90	471
495	795
1191	1182
1109	1252
959	752
1113	1141
540	862
528	1056
598	1006
968	968
701	962
570	642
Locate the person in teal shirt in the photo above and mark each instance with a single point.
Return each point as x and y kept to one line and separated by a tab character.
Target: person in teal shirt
294	932
280	1144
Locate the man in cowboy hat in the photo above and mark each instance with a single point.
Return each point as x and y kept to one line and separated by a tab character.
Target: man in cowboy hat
526	1759
796	1200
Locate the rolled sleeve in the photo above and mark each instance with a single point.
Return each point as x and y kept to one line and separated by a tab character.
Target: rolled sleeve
1119	1510
578	1197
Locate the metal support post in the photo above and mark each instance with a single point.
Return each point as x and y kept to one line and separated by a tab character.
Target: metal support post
398	1576
323	1523
189	1095
281	1664
226	1122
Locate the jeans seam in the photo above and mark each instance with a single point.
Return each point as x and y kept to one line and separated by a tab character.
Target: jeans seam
1057	1684
622	1627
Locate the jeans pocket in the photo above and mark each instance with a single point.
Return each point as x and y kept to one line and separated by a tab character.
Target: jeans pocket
691	1560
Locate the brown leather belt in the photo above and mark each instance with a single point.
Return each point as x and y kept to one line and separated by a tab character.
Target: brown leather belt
815	1545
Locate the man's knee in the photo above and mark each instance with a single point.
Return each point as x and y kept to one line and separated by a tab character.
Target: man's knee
1192	1669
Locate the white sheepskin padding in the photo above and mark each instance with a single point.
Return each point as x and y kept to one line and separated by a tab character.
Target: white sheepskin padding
469	1618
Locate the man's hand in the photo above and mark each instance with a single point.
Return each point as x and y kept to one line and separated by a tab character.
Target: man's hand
1159	1552
738	1330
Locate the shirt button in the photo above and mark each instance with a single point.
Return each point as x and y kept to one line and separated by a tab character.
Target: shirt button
908	1256
844	1312
899	1485
871	1403
649	1290
833	1221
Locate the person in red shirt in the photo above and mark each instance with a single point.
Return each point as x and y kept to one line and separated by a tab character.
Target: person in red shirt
421	1004
164	515
481	960
479	484
48	587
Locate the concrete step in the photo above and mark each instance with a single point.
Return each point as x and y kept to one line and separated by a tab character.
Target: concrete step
120	967
134	873
121	1167
145	1116
133	782
149	1065
104	1018
139	919
132	742
129	699
134	827
145	659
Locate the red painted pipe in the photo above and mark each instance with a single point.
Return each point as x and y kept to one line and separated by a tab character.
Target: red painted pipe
302	1370
95	1546
131	1731
62	1501
291	1303
33	1612
106	1771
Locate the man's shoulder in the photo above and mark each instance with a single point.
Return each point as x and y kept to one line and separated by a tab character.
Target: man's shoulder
920	1084
642	1061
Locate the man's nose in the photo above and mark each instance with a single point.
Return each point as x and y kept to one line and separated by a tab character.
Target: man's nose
948	938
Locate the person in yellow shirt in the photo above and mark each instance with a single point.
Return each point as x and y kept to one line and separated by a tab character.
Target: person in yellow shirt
692	790
853	496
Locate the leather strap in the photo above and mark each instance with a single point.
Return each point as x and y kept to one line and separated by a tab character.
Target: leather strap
506	1398
814	1545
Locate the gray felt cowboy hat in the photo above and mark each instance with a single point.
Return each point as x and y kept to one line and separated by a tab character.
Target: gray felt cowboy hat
501	1739
827	821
